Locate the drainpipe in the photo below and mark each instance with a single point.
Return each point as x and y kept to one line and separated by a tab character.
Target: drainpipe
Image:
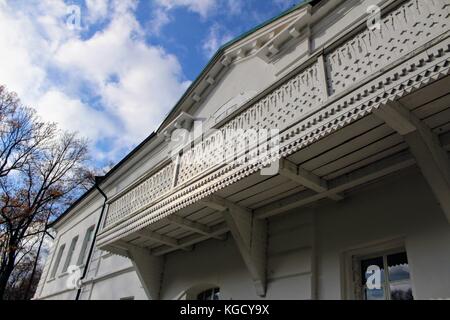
91	249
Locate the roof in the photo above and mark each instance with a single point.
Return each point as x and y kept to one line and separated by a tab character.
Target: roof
185	95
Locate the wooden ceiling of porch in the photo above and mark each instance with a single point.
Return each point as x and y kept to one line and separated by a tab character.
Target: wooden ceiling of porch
352	150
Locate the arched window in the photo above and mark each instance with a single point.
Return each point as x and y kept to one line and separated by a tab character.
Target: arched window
210	294
203	291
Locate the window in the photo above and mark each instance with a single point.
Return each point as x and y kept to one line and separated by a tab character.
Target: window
57	261
86	244
385	276
70	253
210	294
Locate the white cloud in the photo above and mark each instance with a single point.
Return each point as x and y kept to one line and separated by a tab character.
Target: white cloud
234	6
73	115
137	83
217	36
160	18
97	10
161	11
59	72
202	7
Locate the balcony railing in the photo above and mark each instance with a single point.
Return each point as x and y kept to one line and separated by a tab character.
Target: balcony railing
401	32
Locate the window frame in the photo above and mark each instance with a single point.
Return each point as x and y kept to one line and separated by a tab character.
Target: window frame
386	281
351	288
57	261
70	253
84	248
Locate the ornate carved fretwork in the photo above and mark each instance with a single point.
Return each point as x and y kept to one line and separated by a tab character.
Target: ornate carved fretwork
401	31
143	194
298	97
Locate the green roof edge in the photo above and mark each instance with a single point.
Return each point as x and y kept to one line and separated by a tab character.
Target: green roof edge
263	24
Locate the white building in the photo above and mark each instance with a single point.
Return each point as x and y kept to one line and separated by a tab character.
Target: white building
362	105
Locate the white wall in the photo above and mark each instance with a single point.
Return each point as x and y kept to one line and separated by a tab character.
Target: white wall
248	76
403	208
113	275
119	286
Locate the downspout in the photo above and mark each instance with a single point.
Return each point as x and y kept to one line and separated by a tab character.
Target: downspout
91	249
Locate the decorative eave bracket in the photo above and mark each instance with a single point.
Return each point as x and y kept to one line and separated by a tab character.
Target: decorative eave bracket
149	268
431	158
298	30
250	235
182	121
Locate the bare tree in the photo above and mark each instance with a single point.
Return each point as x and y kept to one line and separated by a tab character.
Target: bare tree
21	132
42	171
25	277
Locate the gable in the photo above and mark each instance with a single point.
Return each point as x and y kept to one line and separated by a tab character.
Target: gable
241	83
248	64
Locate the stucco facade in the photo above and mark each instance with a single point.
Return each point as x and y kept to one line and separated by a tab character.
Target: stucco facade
362	170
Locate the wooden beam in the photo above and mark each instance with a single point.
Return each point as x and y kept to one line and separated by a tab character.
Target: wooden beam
363	175
116	249
149	268
426	148
221	204
194	226
150	235
396	117
218	230
311	181
250	235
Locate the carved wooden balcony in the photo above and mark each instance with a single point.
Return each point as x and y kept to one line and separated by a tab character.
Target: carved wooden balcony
337	85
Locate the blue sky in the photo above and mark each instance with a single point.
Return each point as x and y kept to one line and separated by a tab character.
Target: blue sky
114	75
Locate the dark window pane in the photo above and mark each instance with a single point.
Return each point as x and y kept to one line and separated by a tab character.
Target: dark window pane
216	294
401	291
374	294
210	294
367	265
398	267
